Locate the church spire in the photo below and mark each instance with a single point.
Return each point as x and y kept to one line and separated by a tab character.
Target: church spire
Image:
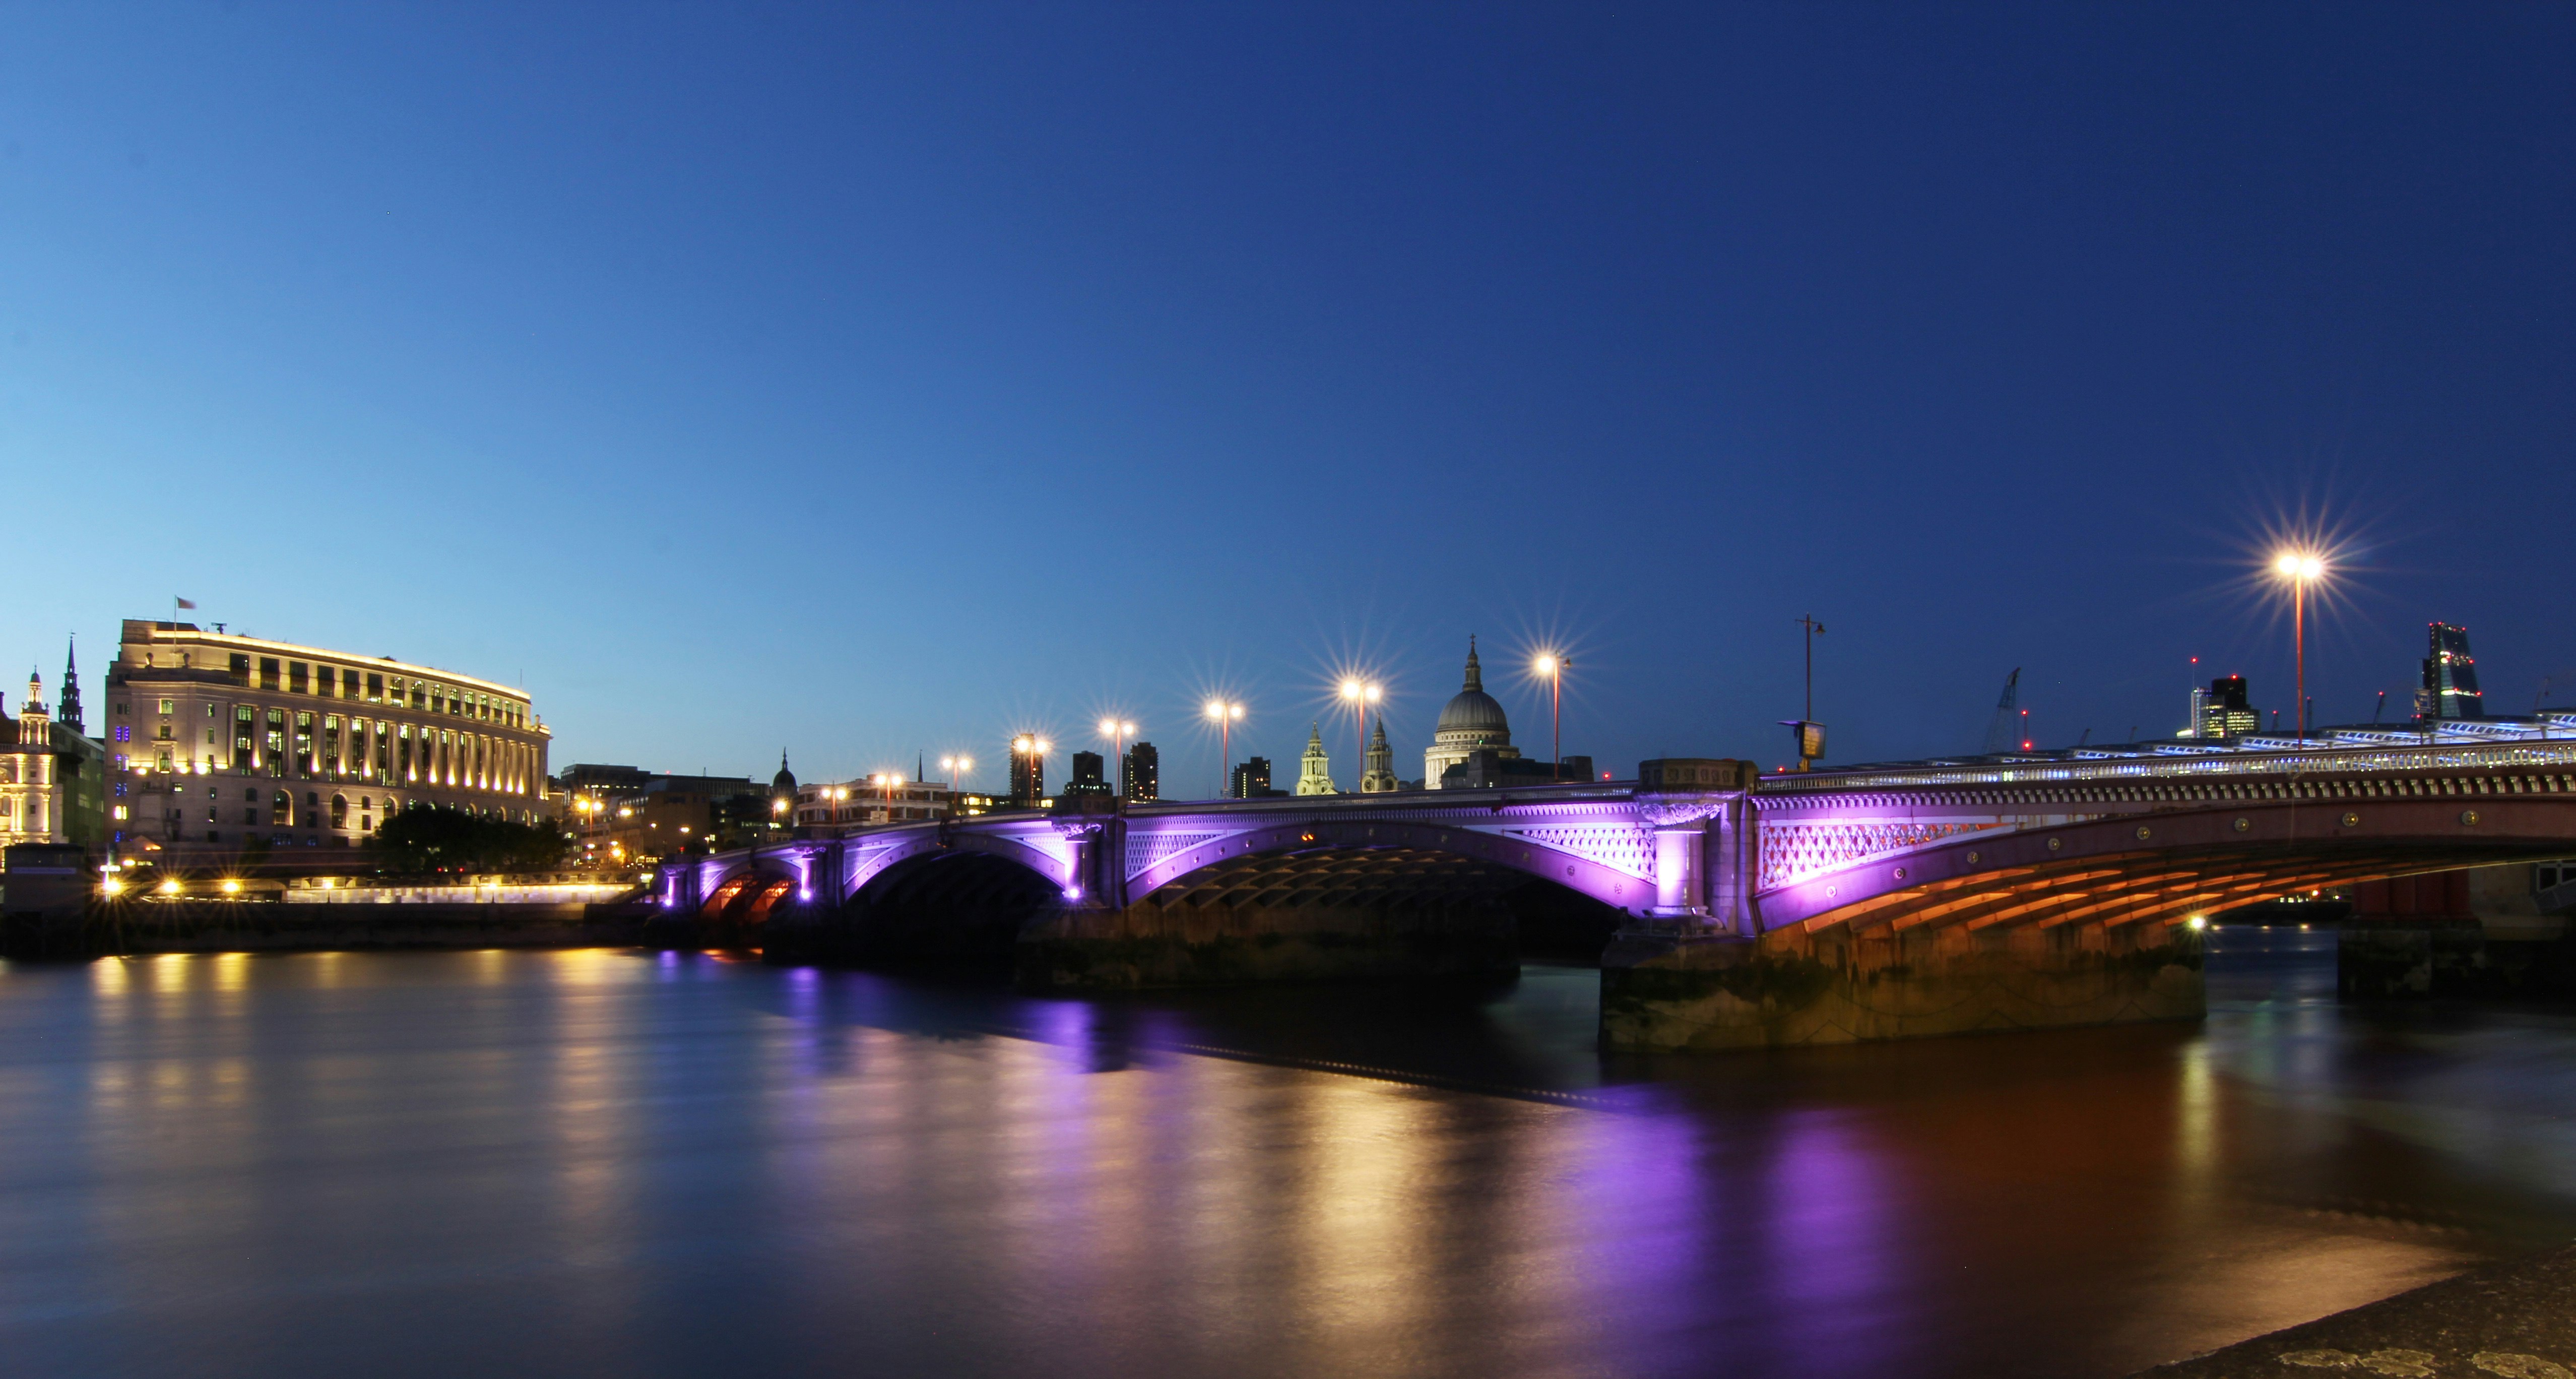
70	717
1475	672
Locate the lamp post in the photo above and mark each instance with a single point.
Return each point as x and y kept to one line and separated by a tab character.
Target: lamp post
1810	737
1225	715
1553	666
1360	695
2302	569
1117	731
1030	750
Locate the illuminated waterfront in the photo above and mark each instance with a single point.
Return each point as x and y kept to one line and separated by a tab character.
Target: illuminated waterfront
619	1162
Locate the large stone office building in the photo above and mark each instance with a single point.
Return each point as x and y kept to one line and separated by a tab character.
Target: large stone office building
220	743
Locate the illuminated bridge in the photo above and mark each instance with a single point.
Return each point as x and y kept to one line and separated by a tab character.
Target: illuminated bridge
1866	903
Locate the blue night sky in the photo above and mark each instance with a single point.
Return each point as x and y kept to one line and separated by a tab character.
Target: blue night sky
872	380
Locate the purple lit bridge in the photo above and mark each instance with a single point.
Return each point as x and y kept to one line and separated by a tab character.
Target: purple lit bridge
1882	902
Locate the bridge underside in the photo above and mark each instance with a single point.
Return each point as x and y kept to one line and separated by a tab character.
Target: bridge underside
2100	937
1322	913
1314	913
2142	888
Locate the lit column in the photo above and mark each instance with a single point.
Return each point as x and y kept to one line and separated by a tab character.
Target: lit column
1360	696
1552	667
2301	568
1225	715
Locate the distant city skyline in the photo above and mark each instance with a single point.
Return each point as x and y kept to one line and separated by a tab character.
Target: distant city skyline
890	382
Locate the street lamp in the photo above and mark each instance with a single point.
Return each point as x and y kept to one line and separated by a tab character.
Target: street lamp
1553	667
1225	715
2301	568
1117	730
1360	695
1034	748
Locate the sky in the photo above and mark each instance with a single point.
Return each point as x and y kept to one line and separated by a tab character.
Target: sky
877	381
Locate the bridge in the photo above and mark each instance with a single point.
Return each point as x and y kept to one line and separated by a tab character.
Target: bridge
1737	909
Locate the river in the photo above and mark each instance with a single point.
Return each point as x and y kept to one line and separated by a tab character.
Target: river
630	1163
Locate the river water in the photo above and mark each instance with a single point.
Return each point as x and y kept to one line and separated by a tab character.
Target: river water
615	1162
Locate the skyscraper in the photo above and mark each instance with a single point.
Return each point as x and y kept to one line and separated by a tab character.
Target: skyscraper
1251	780
2450	676
1142	777
2224	712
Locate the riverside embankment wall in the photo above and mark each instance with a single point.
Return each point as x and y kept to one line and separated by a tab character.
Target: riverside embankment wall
214	926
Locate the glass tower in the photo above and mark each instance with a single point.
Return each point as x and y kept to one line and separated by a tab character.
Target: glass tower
2450	675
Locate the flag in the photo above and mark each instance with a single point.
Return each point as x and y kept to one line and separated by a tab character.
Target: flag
184	603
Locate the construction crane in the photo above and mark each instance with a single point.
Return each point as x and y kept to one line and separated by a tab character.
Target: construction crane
2001	735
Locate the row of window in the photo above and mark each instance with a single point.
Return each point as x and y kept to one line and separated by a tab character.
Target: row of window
286	743
331	682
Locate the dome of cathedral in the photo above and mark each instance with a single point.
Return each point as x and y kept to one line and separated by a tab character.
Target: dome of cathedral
784	783
1472	710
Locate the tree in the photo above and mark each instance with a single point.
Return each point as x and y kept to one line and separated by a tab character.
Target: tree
440	838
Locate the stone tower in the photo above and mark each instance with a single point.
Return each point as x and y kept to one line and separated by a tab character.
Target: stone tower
1317	776
1380	776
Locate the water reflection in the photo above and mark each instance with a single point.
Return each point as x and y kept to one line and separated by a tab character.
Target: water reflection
635	1163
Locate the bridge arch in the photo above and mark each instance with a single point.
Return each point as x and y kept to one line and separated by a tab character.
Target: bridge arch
963	899
1518	852
2163	867
888	852
747	894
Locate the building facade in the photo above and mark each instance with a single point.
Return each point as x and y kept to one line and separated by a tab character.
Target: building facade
1471	722
622	815
1251	780
1028	771
53	777
220	743
1141	775
873	800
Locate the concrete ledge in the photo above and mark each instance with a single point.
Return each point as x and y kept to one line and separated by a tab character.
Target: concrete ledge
2513	1321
